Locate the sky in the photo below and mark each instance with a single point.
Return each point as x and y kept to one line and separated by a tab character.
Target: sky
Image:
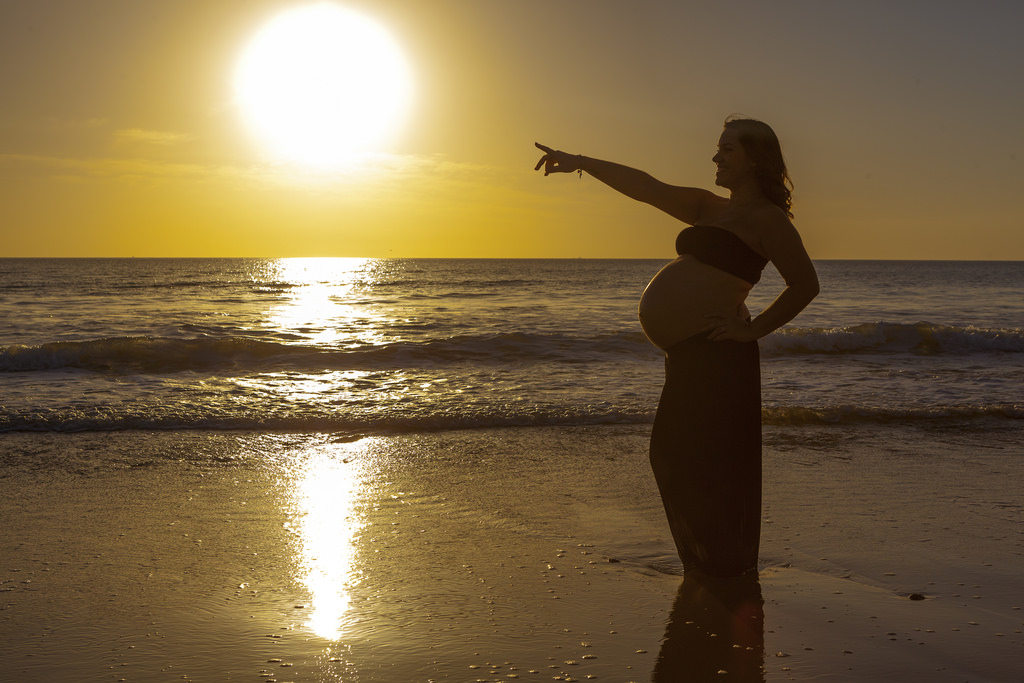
122	133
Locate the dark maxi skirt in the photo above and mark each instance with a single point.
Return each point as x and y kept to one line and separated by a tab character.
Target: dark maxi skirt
706	453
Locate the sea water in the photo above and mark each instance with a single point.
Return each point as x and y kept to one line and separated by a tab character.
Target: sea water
381	346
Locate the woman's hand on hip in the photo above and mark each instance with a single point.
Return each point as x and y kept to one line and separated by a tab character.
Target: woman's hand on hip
731	327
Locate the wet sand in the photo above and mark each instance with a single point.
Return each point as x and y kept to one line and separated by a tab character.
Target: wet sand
500	555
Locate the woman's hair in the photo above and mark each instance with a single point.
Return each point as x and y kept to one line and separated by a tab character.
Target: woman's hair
762	146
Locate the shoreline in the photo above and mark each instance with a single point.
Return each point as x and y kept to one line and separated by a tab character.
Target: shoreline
460	555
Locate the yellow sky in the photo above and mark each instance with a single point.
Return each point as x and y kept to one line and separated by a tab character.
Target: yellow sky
120	134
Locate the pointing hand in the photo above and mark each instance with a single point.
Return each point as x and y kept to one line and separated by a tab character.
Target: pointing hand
555	161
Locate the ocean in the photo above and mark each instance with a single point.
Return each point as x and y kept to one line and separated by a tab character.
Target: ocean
381	346
433	470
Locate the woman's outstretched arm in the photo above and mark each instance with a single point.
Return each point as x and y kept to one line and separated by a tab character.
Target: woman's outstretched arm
687	204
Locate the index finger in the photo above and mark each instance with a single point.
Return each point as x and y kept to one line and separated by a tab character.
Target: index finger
544	148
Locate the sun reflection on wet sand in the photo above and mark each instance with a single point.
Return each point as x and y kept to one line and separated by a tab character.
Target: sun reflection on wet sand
328	491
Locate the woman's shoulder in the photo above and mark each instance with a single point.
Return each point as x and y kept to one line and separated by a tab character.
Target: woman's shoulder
713	208
762	225
769	218
751	218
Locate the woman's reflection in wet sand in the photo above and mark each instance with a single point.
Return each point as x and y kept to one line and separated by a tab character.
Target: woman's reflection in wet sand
715	632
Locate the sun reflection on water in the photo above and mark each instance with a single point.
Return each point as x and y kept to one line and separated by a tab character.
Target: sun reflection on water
323	303
328	492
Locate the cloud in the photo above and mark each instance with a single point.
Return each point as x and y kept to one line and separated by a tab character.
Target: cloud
54	123
27	165
131	136
391	179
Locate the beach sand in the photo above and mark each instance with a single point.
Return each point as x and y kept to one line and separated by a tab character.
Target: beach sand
531	554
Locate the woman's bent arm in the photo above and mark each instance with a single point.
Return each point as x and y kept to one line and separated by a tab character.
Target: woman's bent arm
786	250
793	299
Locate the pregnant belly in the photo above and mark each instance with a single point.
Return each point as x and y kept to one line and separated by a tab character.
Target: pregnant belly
676	302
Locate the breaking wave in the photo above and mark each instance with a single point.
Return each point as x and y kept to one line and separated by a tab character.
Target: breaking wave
419	418
230	354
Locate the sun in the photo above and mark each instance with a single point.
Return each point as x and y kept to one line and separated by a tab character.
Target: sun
321	85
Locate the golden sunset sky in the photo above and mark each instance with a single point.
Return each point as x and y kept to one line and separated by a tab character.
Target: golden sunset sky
122	134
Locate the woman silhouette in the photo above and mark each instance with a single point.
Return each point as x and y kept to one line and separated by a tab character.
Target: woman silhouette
706	442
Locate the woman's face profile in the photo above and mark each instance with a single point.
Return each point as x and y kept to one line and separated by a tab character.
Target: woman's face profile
734	166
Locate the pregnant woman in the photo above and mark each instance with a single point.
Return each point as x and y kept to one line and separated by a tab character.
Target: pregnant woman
706	441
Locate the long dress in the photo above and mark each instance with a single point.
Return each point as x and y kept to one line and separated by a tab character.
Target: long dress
706	453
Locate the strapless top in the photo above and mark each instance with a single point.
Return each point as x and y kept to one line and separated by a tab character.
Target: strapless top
721	249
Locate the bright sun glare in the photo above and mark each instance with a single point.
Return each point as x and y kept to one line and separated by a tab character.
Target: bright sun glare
320	85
